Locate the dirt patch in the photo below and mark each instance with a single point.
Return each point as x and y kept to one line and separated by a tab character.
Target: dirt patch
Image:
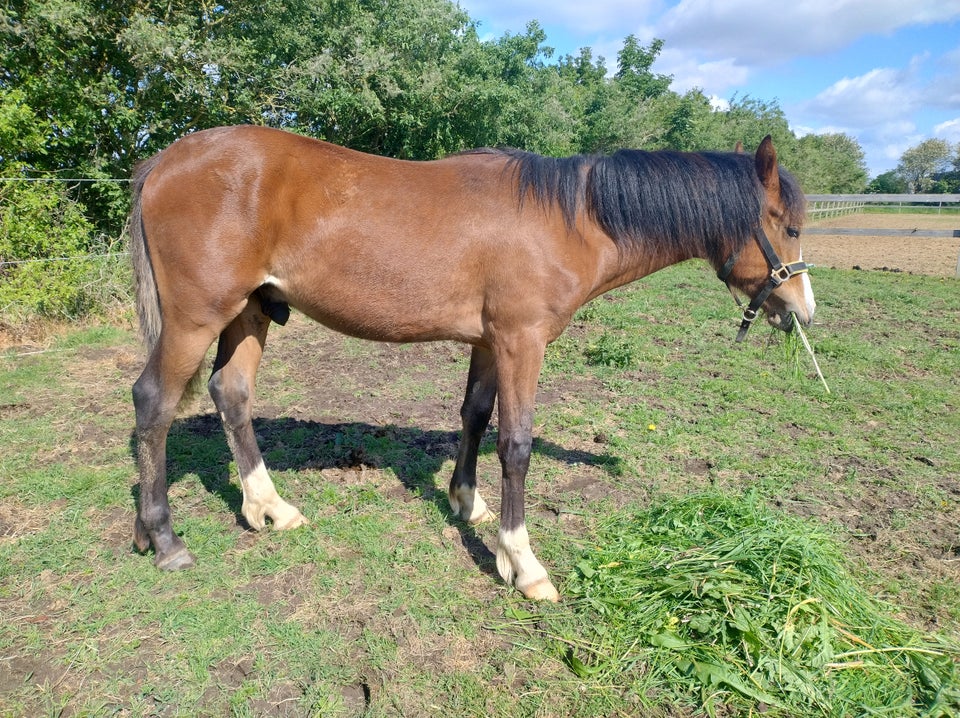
22	670
933	256
18	520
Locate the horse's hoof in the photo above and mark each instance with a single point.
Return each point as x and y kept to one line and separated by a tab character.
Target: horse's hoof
542	590
483	518
176	561
291	523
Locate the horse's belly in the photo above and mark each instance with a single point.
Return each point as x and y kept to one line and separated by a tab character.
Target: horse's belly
387	314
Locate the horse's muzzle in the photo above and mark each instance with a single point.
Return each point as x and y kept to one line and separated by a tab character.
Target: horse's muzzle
783	322
786	321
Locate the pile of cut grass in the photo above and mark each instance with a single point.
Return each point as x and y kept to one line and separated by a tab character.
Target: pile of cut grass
724	604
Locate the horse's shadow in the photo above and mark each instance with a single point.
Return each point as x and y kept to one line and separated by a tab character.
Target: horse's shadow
197	445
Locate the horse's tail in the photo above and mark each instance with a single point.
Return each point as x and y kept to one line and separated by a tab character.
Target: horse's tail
145	284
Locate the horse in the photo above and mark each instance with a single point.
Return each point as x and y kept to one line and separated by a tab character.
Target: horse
232	227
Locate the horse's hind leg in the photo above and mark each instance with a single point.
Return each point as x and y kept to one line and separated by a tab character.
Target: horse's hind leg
477	407
156	394
232	388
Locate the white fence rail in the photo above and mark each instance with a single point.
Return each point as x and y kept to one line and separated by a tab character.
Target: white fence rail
822	206
887	198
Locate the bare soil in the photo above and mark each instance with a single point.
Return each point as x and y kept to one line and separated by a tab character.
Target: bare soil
933	256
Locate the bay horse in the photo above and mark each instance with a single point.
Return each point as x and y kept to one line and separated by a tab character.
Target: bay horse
230	227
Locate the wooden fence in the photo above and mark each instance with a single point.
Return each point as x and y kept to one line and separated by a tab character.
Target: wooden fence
823	202
822	206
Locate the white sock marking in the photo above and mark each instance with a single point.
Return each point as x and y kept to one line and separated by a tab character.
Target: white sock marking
467	503
515	560
261	500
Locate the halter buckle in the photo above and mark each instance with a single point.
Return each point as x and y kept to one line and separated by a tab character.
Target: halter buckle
778	275
783	272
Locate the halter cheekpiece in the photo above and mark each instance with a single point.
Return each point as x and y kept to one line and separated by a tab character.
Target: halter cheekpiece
779	273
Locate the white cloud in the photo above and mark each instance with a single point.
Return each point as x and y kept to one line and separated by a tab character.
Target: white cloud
885	144
718	103
875	98
719	76
879	108
754	32
742	28
804	130
949	130
944	88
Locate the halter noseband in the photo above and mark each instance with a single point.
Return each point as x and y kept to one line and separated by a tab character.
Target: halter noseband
779	273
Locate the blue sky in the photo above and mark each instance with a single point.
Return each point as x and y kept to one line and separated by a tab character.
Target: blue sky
886	72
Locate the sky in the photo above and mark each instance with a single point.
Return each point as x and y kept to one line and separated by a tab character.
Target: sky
885	72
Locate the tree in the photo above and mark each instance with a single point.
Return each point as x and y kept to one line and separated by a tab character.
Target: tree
507	94
634	63
102	85
748	120
918	164
948	182
830	164
887	183
623	111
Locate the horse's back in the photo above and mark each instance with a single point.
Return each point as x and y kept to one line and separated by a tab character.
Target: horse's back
375	247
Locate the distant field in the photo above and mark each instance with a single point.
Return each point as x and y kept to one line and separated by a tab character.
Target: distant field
933	256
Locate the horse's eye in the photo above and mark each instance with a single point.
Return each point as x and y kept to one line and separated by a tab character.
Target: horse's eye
793	232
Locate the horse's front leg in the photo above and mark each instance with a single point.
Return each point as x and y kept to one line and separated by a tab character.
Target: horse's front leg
477	407
518	368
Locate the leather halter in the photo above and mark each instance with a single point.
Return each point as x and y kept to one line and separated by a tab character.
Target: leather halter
779	273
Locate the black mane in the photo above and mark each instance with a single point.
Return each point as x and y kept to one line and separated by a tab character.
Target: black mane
662	200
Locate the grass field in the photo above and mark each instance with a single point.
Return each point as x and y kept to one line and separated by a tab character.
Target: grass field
386	605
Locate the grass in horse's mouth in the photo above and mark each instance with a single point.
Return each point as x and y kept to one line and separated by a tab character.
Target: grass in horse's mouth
798	332
794	340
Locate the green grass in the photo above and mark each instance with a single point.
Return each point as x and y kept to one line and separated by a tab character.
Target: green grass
386	605
948	209
712	600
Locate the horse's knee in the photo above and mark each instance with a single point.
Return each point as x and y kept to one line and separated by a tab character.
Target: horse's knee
514	452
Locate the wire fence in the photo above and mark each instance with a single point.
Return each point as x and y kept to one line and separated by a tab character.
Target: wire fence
74	258
76	180
78	257
823	209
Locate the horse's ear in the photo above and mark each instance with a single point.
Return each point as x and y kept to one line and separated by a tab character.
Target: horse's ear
766	162
738	148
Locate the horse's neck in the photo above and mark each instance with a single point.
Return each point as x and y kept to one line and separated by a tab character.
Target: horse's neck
628	264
